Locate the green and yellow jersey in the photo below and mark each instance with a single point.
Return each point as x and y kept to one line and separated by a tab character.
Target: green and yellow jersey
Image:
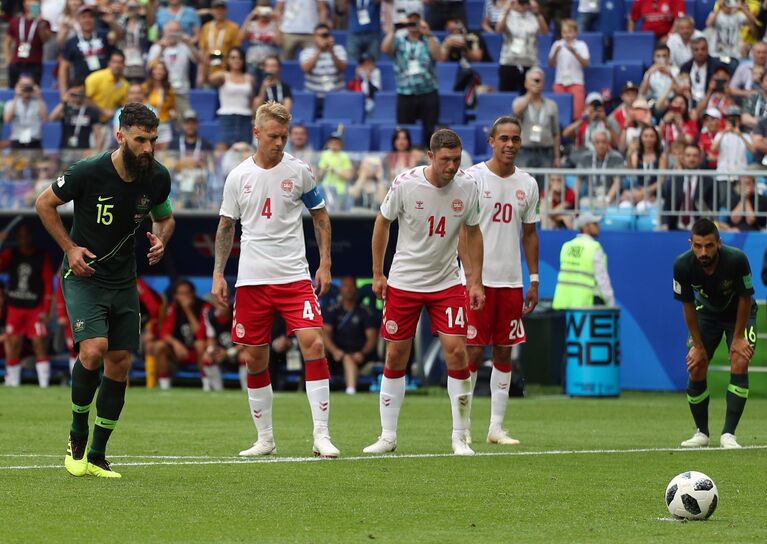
108	211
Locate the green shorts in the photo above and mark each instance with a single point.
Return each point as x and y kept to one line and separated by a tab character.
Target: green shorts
712	328
100	312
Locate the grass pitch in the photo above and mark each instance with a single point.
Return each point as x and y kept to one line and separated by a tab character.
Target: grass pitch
588	470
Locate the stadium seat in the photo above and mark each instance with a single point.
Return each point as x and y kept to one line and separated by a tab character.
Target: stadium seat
474	11
598	78
292	74
618	219
612	17
49	80
304	106
446	72
565	105
315	135
355	137
344	105
544	46
596	43
480	140
6	95
468	136
51	98
548	78
388	82
205	103
647	221
51	136
385	109
488	71
340	37
492	105
493	41
209	131
384	133
237	10
689	7
452	109
351	67
702	9
633	47
626	71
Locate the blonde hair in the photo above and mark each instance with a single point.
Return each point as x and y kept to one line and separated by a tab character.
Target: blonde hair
272	111
569	23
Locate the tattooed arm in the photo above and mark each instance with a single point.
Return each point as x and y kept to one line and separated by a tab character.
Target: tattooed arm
321	221
224	241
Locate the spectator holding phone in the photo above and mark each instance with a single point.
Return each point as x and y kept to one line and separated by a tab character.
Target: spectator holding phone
676	123
272	87
726	21
569	56
733	146
26	113
261	30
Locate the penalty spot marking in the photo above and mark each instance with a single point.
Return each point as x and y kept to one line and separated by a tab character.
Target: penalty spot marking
180	460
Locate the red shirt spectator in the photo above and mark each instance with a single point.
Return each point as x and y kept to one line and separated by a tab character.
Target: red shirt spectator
657	15
26	34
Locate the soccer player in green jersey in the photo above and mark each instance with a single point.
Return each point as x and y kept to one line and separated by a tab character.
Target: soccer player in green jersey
713	282
113	193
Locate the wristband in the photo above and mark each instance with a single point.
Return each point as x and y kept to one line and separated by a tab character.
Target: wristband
534	278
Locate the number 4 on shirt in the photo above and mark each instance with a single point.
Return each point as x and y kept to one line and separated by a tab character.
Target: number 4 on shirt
439	229
267	209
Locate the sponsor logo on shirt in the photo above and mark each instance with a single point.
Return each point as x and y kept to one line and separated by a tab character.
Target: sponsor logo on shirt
488	194
60	181
457	205
247	189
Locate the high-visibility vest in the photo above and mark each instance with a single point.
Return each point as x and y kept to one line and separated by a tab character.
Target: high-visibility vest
576	283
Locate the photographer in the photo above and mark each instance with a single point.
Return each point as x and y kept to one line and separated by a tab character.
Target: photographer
733	147
520	25
261	30
592	119
26	113
676	125
79	120
217	38
717	93
178	52
272	88
23	43
323	64
726	20
659	78
460	44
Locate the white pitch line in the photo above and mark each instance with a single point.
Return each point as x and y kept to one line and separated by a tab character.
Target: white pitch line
181	460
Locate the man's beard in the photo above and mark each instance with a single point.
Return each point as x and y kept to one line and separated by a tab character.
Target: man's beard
138	167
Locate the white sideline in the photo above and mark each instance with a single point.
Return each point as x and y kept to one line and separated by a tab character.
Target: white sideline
178	460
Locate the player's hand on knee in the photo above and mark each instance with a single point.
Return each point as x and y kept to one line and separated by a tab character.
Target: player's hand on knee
740	348
697	358
80	259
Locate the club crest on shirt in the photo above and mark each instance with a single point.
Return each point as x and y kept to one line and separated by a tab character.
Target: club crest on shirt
471	332
78	326
392	327
419	204
287	185
143	205
457	205
239	330
521	195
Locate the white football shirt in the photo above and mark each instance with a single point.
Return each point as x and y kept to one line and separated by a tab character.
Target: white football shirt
504	204
268	204
430	219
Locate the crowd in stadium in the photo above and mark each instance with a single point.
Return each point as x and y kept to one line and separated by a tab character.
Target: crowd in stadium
368	81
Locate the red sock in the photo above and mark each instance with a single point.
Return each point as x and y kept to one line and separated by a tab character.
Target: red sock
13	362
316	370
257	381
462	374
393	374
473	367
502	367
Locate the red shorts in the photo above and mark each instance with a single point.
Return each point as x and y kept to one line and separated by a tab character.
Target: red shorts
402	309
25	322
499	323
255	306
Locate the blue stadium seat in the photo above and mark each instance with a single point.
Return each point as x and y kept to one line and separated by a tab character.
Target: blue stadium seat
544	46
209	131
292	74
633	47
385	109
315	131
548	78
618	219
689	7
626	71
351	66
388	83
340	37
356	137
344	105
474	11
702	9
647	221
51	136
51	98
468	136
480	140
612	17
565	105
6	94
384	133
49	79
494	42
205	103
446	72
452	109
596	43
598	78
490	106
488	71
304	106
237	10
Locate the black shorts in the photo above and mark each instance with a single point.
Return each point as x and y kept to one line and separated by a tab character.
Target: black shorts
712	328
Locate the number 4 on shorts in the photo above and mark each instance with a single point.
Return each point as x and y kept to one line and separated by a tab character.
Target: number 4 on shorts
308	313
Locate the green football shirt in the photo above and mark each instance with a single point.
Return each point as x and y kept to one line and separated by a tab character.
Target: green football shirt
717	293
108	211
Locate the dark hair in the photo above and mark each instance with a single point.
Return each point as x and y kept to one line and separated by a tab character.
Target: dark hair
694	146
657	148
137	114
698	40
180	282
444	138
321	26
686	112
397	132
704	227
116	52
273	57
661	47
504	120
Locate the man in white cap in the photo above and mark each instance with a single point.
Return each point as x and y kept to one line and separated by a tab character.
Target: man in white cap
583	280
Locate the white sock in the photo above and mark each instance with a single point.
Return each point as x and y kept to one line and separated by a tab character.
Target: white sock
215	378
499	397
43	373
13	375
205	380
460	395
392	395
243	370
72	361
318	393
164	383
473	378
260	401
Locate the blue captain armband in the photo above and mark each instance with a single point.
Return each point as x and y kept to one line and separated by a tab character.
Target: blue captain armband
312	199
162	210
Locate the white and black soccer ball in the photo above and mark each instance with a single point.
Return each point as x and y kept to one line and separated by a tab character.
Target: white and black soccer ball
692	495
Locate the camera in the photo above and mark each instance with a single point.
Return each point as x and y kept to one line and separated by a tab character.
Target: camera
719	84
268	74
27	88
405	24
216	58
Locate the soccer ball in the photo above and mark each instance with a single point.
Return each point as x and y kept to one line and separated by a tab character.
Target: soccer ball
692	495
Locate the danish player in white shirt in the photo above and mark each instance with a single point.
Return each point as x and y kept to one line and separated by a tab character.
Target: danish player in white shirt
431	204
508	201
267	193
